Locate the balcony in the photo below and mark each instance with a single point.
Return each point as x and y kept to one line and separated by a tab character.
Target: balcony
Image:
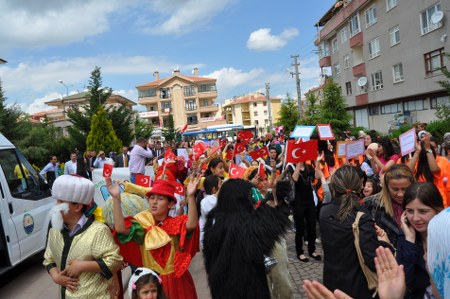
325	61
359	70
148	101
166	110
209	108
357	40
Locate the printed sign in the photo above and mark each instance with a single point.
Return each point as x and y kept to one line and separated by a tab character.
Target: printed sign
302	132
340	146
408	142
325	132
354	149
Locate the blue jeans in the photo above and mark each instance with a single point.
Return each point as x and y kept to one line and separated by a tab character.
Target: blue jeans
133	178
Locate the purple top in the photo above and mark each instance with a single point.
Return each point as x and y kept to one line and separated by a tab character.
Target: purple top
137	159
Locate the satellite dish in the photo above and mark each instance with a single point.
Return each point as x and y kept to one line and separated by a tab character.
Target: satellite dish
362	81
437	17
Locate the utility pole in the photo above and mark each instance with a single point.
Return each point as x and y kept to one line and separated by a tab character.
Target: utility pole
269	104
297	81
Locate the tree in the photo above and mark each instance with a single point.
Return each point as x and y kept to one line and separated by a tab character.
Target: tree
289	116
142	128
312	113
332	109
443	110
102	136
14	124
82	117
169	132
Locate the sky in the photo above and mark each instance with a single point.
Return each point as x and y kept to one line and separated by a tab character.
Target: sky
241	43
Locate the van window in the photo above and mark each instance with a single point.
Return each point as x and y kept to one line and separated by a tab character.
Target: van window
23	180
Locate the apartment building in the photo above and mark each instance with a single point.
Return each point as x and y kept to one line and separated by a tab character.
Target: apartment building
252	110
190	99
386	55
58	115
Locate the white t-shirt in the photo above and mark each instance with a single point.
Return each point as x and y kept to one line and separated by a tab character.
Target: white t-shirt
206	205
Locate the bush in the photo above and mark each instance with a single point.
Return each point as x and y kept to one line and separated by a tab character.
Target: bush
397	132
438	128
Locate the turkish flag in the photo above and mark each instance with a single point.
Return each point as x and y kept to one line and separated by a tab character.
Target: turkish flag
214	149
169	155
179	188
143	180
261	170
198	150
239	148
302	151
107	170
223	143
229	154
236	172
259	153
184	128
244	135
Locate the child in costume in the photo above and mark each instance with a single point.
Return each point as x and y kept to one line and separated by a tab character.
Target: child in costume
81	255
154	240
145	284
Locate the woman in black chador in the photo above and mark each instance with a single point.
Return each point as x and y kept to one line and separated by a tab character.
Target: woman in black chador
239	232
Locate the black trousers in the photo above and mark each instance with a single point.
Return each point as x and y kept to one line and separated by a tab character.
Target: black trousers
305	214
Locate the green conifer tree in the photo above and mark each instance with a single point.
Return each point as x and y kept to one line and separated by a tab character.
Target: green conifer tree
332	109
102	135
289	117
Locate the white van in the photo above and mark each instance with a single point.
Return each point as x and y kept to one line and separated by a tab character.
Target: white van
25	201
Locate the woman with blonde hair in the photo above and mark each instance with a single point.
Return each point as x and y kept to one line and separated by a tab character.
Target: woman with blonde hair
386	207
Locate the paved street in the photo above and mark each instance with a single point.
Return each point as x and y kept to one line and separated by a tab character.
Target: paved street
31	281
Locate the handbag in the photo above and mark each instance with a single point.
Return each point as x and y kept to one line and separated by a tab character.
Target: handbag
371	277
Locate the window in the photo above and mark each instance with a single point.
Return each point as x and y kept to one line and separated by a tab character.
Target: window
165	93
390	4
434	61
377	81
324	49
374	48
255	113
265	112
346	61
205	103
344	34
426	25
255	104
166	107
207	88
374	110
334	45
337	69
397	72
189	91
440	102
23	180
394	35
414	105
192	119
390	108
354	25
265	103
371	16
147	93
348	88
256	122
191	105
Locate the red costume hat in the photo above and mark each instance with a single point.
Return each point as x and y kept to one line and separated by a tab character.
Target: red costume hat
163	187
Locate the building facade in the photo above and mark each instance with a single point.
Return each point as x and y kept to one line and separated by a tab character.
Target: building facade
190	100
252	110
58	115
386	55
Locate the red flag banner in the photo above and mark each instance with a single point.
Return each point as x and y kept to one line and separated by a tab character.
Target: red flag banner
302	151
214	149
244	135
143	180
198	150
183	129
261	170
169	155
239	148
229	155
107	170
179	188
236	172
223	143
259	153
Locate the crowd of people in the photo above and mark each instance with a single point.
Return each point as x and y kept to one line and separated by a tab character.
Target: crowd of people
240	199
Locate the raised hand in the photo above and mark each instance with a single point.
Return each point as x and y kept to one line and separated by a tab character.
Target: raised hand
316	290
391	277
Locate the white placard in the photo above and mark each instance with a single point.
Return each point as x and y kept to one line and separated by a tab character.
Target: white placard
302	131
325	132
341	152
408	141
354	149
183	152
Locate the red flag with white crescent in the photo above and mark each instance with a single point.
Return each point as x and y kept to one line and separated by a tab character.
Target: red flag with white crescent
239	148
107	170
261	170
302	151
236	172
198	150
143	180
259	153
244	135
179	188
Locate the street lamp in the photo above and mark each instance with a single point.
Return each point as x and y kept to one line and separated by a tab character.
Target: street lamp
62	100
67	87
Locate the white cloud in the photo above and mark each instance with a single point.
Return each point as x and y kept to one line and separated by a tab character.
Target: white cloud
263	40
229	78
182	16
44	23
38	105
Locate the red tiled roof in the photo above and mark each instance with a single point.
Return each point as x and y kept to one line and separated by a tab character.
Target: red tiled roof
189	78
44	113
257	97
